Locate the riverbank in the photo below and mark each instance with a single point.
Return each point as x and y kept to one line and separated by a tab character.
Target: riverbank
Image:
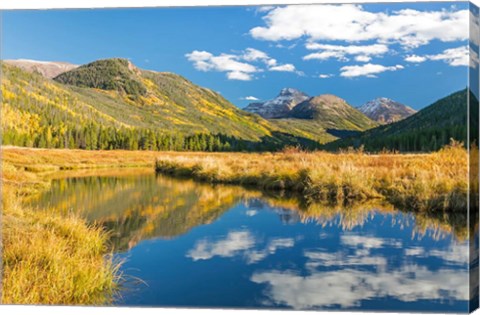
418	182
50	258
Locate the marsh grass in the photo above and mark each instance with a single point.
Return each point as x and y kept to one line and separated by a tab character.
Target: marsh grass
49	258
53	259
419	182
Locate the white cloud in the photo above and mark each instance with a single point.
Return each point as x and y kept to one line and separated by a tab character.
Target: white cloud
325	55
415	58
252	54
361	53
454	56
265	8
238	75
351	23
474	60
236	70
283	68
325	76
460	56
368	70
237	66
250	98
376	49
363	58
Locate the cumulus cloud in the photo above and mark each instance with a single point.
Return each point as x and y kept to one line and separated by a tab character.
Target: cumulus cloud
367	70
284	68
352	23
252	54
235	69
239	75
363	58
455	57
415	58
240	66
361	53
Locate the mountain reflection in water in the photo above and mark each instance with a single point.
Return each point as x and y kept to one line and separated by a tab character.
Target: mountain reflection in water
195	244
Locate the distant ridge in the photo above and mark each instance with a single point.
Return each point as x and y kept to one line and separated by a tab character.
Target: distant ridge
427	130
385	111
280	106
49	69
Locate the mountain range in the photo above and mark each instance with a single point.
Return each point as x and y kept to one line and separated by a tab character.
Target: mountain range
385	111
286	105
111	104
280	106
427	130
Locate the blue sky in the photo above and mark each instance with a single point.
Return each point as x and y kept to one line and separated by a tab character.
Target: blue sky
414	53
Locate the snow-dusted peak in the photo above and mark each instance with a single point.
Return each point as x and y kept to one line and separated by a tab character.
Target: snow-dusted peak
278	107
385	110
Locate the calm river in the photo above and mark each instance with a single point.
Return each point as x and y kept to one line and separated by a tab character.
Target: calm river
184	243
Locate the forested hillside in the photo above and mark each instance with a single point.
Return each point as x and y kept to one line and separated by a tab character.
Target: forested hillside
428	130
111	104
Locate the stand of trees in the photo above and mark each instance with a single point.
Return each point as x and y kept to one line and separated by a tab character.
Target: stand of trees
94	137
426	140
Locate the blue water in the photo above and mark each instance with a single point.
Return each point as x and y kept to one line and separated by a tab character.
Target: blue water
194	245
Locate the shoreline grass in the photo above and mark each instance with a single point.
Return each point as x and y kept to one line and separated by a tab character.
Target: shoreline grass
419	182
49	258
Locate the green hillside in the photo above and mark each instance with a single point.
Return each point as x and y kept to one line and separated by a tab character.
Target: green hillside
111	104
428	130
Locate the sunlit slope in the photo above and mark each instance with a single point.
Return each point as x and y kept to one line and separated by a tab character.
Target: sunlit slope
110	100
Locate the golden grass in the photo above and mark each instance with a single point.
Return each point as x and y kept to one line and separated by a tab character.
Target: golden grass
49	258
413	181
47	160
52	259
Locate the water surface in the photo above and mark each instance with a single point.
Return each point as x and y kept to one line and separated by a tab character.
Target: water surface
189	244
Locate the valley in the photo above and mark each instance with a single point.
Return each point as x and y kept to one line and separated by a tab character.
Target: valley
316	156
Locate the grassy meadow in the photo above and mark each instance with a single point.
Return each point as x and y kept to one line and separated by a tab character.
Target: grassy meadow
418	182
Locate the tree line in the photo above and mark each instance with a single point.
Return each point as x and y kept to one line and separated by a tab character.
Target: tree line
95	137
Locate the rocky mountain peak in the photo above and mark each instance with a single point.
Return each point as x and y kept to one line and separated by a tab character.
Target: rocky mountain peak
280	106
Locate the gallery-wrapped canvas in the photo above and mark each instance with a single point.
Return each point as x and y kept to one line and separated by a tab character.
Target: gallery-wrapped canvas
301	156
